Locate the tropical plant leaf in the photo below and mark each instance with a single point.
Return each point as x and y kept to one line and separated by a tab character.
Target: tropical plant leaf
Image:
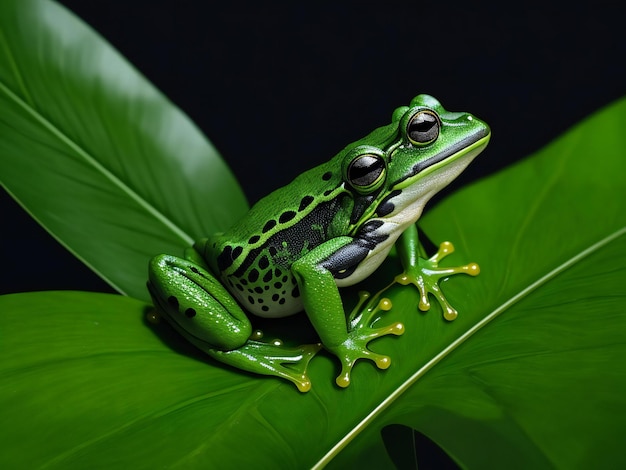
95	153
529	376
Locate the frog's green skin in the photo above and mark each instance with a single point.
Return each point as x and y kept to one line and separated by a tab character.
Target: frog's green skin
331	227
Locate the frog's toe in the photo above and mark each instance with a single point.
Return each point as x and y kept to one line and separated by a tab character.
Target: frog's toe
294	367
272	358
427	276
303	383
361	333
347	363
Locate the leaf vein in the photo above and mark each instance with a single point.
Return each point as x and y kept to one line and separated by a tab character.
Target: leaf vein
455	344
14	68
96	165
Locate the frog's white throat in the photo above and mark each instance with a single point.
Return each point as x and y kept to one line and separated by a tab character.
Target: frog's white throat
409	204
408	207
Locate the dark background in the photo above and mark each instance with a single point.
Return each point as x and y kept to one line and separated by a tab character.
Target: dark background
280	89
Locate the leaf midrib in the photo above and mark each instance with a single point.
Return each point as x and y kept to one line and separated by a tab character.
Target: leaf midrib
184	237
456	343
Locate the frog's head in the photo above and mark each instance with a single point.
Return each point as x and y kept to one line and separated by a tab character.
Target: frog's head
401	166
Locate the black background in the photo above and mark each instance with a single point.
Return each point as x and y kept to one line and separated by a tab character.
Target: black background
280	89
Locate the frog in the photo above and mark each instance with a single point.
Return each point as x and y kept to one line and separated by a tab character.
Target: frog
331	227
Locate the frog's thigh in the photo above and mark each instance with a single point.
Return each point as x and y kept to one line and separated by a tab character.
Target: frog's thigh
315	274
196	304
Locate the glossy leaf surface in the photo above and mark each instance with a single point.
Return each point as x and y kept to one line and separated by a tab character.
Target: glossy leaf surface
99	157
529	376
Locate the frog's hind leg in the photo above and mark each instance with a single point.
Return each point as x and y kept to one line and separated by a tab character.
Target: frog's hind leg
289	363
196	305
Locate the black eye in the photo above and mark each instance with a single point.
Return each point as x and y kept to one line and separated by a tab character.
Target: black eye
366	172
423	128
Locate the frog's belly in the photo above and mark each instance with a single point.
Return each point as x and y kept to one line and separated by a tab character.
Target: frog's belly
274	298
279	296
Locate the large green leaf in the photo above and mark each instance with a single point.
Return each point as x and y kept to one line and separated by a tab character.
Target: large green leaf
529	376
95	153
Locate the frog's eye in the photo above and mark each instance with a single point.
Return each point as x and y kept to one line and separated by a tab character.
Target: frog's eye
423	127
366	171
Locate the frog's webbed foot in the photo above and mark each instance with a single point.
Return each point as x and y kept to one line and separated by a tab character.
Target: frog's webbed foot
361	332
427	275
271	358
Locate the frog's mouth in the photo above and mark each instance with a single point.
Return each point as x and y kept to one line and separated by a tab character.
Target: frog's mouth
471	145
409	195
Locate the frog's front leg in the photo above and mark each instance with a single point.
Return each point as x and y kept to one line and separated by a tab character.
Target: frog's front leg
203	311
425	273
315	273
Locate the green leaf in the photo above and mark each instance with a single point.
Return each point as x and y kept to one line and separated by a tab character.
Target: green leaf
99	157
529	376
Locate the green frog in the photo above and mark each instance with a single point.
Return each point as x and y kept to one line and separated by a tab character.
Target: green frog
332	226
